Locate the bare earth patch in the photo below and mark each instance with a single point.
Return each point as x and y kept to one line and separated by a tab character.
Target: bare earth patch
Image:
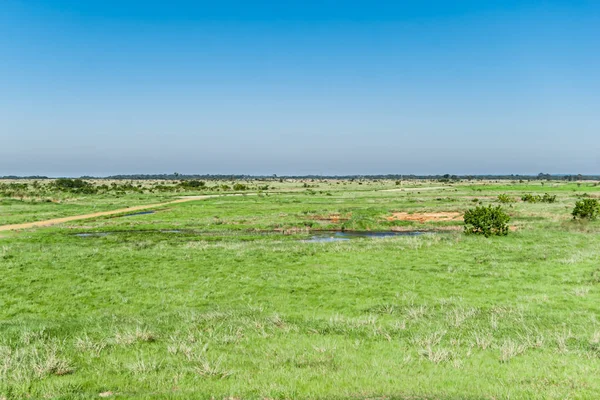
437	229
426	217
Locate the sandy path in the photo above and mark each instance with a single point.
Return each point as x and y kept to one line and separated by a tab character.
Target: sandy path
414	189
55	221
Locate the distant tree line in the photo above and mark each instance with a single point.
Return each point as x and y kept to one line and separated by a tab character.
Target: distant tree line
441	177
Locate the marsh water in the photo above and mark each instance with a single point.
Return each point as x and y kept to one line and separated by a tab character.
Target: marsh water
336	236
139	213
316	237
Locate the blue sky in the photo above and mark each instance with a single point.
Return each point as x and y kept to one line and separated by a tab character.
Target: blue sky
462	87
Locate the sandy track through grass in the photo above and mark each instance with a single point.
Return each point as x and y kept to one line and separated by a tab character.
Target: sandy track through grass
414	189
55	221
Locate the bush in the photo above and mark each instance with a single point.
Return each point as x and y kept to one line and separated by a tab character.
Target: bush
586	209
192	184
74	186
487	221
529	198
504	198
548	199
239	186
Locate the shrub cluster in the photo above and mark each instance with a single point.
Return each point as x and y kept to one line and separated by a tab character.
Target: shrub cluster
586	209
546	198
75	186
192	184
487	221
504	198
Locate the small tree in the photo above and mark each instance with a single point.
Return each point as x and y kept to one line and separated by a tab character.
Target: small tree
586	209
487	221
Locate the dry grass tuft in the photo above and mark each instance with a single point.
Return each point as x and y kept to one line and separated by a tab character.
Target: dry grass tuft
130	337
209	369
510	349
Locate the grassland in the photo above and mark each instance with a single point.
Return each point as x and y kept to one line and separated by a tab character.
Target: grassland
220	298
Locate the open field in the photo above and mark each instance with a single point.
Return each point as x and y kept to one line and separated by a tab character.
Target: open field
223	298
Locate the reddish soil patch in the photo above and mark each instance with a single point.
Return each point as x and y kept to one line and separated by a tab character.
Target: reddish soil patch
426	217
512	228
437	229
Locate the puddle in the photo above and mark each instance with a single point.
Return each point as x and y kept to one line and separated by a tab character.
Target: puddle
139	213
95	234
347	235
324	236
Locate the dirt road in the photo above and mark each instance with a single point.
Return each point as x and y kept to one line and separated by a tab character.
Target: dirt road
414	189
56	221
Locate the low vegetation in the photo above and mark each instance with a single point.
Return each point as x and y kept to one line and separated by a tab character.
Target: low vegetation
224	298
586	209
487	221
546	198
505	199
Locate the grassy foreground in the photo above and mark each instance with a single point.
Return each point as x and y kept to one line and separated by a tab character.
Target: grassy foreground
221	298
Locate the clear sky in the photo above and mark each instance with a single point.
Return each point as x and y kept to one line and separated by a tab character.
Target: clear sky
309	87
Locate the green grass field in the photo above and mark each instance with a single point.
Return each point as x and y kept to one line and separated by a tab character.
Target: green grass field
222	298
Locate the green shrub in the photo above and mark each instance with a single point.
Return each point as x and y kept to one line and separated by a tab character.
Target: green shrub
529	198
586	209
74	186
239	186
548	199
192	184
487	221
504	198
